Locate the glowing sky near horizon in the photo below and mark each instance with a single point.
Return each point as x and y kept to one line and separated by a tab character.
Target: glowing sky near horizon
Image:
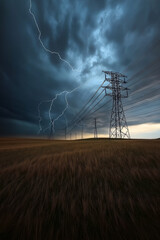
93	36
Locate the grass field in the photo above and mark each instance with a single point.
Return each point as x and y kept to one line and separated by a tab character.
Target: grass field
104	189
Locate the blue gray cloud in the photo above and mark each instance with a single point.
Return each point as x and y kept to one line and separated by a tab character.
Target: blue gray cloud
93	36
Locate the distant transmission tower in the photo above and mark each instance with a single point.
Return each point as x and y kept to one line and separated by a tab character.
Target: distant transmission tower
51	131
95	128
65	133
82	130
115	89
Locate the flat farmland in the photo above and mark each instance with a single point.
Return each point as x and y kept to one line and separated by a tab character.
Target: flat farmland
86	189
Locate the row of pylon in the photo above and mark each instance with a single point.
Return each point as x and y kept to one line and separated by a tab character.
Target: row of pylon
95	131
113	86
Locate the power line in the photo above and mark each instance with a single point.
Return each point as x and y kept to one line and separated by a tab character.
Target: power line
92	102
95	128
81	119
83	108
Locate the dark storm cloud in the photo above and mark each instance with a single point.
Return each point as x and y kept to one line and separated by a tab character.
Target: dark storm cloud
93	36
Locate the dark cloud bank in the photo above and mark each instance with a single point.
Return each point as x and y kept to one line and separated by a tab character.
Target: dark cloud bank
93	35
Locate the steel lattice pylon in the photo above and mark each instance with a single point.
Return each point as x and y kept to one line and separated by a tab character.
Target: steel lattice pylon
95	128
115	89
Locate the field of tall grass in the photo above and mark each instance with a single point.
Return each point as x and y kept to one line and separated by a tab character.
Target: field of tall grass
90	189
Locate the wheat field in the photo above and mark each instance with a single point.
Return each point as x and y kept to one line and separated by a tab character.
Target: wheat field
88	189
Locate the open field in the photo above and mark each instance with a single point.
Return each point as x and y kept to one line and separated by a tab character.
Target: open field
79	189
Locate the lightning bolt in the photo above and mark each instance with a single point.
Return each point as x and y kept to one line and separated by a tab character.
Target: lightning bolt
39	115
45	48
51	120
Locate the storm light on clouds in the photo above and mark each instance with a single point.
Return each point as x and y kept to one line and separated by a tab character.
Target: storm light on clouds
92	36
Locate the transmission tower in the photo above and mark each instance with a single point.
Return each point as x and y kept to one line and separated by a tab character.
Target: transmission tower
95	128
51	131
115	89
82	131
65	133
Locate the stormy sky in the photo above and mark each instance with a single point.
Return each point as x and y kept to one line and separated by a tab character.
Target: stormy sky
91	35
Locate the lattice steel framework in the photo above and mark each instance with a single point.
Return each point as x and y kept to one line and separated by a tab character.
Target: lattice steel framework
95	128
115	89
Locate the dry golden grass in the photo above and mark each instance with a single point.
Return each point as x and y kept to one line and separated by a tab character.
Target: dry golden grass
79	189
